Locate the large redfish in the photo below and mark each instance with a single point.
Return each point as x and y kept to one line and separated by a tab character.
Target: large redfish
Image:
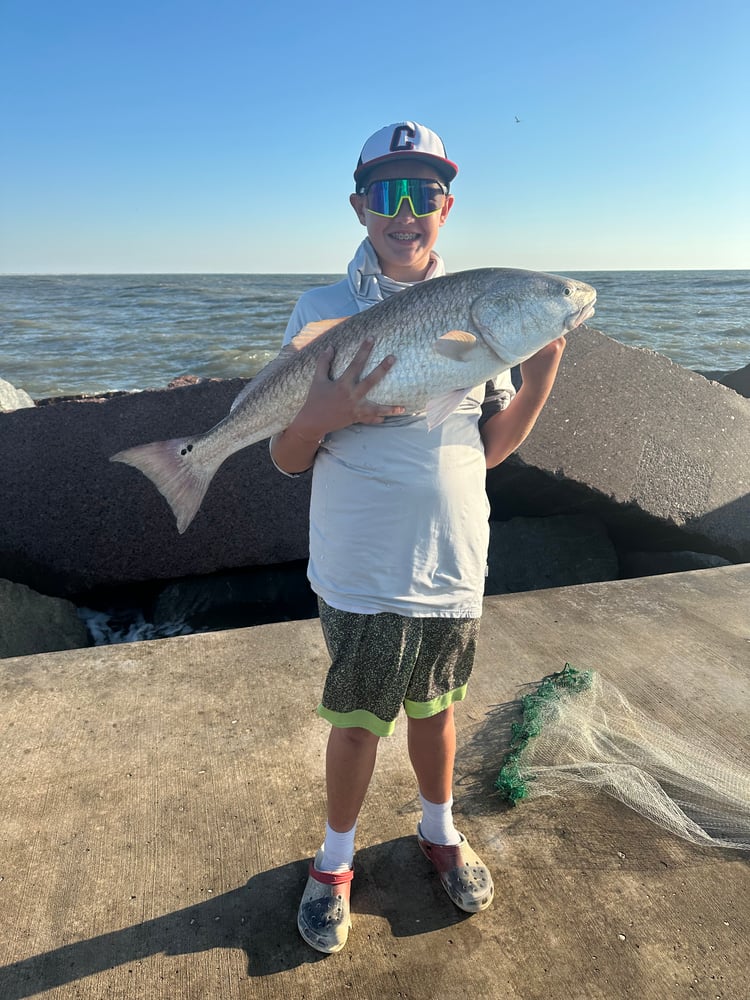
448	335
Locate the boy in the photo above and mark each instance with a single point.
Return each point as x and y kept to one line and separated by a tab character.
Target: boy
398	533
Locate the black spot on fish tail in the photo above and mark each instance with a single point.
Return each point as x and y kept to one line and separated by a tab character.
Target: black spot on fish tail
176	471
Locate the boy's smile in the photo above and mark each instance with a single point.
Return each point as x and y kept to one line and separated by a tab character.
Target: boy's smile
403	243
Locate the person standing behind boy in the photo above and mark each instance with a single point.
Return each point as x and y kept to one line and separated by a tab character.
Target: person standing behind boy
398	533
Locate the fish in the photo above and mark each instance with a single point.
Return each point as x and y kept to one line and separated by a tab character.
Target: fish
448	335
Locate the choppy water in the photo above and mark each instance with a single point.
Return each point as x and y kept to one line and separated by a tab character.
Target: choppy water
70	334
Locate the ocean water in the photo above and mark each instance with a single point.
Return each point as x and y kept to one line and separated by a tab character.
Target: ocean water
69	334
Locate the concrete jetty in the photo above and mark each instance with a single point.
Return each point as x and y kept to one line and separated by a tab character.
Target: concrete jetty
160	801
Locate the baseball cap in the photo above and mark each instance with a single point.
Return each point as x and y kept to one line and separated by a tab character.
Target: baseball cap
404	141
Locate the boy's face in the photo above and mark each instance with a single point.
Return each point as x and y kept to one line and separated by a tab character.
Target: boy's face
403	243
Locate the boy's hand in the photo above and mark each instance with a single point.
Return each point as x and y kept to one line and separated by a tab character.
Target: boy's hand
331	404
335	403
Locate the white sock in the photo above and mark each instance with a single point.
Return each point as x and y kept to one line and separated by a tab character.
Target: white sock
437	822
338	851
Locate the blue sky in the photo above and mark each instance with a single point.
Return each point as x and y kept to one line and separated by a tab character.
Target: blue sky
176	136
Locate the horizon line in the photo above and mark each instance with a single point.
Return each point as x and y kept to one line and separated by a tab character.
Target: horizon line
552	270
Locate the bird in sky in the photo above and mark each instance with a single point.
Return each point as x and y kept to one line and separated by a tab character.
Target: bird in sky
518	120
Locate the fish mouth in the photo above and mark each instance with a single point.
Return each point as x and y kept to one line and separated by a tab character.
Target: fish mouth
585	312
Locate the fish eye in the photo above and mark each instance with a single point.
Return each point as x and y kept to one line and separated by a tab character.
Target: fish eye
567	290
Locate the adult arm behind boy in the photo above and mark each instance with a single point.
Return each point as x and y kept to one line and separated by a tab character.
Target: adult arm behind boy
506	430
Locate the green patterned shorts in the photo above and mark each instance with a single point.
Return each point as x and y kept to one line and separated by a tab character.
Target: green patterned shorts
381	662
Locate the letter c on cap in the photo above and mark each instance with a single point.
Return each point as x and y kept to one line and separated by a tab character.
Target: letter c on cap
399	140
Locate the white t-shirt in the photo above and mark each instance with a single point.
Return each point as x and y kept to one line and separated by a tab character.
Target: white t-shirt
398	513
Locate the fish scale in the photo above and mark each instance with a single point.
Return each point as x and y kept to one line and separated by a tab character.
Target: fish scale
447	335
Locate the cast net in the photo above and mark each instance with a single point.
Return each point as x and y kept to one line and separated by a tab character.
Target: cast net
578	730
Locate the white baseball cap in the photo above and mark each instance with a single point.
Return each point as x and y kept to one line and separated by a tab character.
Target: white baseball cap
404	141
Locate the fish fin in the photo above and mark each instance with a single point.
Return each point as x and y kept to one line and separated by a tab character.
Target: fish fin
455	345
176	471
280	361
245	391
308	333
311	331
441	407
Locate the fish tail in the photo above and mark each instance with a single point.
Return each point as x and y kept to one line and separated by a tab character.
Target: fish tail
177	471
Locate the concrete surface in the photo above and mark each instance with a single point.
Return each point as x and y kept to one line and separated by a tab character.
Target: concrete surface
160	801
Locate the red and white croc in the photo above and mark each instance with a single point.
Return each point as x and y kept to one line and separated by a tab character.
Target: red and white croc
462	873
323	919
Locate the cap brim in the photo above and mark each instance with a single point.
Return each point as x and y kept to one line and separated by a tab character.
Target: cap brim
445	168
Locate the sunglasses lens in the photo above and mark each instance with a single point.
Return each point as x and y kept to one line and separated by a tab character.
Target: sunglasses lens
385	197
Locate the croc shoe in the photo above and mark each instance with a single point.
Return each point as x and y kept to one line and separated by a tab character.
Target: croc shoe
323	918
463	875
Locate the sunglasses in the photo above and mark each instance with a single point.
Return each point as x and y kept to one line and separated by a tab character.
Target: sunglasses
424	197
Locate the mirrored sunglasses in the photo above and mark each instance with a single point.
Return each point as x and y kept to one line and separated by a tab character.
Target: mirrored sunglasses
424	196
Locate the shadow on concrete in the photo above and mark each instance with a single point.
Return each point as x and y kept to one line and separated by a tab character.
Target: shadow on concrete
393	881
480	757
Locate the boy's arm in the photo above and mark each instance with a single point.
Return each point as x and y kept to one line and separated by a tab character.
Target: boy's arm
508	429
331	404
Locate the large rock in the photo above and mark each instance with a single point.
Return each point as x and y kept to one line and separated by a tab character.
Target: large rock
536	553
738	380
659	453
635	564
33	623
12	398
72	520
229	600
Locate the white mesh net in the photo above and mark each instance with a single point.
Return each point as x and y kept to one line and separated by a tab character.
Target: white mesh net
579	730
